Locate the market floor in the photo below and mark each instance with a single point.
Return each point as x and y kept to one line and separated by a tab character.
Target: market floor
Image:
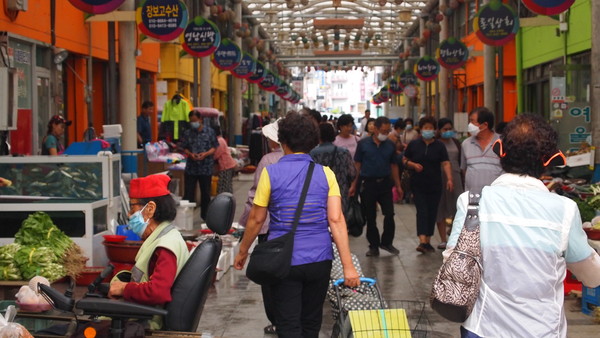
234	306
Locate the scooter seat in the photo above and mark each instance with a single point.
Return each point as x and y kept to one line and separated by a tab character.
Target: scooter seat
117	308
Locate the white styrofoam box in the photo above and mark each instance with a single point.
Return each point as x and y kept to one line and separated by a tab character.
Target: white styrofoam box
581	159
185	215
112	130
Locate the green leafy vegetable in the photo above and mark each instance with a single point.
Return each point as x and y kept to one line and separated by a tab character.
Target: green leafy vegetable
34	261
585	209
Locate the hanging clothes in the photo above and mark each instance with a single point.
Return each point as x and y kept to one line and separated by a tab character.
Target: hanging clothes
174	118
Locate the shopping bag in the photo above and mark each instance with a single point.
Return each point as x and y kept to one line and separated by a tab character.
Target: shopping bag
355	220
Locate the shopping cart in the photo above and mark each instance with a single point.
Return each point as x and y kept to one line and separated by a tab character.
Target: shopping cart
381	318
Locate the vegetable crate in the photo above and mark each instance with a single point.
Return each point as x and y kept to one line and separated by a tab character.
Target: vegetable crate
590	298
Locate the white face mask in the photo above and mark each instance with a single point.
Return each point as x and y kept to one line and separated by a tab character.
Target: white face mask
473	129
382	137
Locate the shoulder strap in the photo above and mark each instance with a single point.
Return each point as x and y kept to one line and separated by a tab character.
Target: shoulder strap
472	219
311	168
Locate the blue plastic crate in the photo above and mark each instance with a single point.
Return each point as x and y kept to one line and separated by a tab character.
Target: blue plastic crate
590	298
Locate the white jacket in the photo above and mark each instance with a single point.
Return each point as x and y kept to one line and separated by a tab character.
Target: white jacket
529	236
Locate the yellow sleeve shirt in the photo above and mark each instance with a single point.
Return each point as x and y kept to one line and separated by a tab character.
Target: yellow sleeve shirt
263	189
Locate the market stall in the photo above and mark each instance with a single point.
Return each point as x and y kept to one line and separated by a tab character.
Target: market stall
80	193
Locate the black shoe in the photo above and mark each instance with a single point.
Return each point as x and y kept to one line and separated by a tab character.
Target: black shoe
270	329
429	248
373	252
422	248
390	248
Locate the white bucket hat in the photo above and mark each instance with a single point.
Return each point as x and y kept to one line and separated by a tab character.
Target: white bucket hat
271	129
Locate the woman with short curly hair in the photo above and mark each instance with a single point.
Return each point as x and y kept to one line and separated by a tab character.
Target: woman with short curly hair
529	237
298	298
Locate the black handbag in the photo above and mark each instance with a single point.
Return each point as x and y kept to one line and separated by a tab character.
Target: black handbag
355	219
270	261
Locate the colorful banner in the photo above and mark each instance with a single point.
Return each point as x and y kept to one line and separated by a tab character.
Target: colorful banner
269	81
259	73
548	7
97	6
427	68
496	23
283	90
201	37
228	56
407	78
452	53
163	20
395	87
246	67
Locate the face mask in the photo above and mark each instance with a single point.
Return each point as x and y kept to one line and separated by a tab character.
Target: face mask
427	134
137	223
448	134
195	125
408	126
473	129
382	137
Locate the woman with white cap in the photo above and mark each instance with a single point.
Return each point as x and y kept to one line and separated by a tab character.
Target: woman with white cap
270	132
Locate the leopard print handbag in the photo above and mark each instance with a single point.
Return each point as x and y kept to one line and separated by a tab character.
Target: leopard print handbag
456	286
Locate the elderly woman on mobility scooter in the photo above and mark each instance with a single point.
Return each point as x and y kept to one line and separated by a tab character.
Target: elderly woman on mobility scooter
163	253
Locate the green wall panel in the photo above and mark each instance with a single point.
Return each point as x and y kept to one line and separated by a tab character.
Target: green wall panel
541	45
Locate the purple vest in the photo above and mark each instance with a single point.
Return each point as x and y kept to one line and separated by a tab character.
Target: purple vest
312	242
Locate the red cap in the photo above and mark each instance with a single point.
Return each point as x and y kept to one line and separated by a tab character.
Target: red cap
59	119
149	186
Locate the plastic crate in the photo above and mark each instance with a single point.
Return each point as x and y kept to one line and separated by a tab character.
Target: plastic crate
571	283
590	298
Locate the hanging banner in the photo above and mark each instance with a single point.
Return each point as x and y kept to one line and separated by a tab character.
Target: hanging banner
201	37
245	68
227	56
394	86
452	53
548	7
407	78
96	6
384	93
268	82
427	68
163	20
283	90
259	73
496	23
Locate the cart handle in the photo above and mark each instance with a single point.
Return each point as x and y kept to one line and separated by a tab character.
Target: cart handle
371	281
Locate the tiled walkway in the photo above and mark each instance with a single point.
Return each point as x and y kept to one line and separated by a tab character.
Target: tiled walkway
234	306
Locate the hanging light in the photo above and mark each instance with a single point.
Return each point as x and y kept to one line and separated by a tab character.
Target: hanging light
405	15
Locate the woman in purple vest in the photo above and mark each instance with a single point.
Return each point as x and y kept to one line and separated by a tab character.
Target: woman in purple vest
299	297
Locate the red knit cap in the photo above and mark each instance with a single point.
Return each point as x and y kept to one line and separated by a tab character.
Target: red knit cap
149	186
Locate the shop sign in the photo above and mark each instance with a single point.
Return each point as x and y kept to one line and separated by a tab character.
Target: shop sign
269	81
227	56
384	93
407	78
496	23
427	68
411	91
283	90
452	53
201	37
97	6
245	68
163	20
548	7
259	73
394	86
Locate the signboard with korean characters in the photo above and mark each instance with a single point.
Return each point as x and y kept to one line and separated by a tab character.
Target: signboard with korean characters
162	20
496	23
548	7
394	86
452	53
407	78
427	68
245	68
269	82
97	6
259	73
201	37
227	56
